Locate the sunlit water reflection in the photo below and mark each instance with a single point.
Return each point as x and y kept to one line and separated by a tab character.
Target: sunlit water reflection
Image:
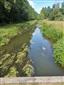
41	53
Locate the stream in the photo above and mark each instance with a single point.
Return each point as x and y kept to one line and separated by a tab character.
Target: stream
41	53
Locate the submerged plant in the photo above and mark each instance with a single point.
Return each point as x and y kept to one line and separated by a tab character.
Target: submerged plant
28	70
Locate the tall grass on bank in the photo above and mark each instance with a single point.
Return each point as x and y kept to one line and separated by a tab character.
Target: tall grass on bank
51	31
11	30
59	52
54	31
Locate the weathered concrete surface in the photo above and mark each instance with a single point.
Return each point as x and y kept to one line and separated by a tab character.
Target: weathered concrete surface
33	81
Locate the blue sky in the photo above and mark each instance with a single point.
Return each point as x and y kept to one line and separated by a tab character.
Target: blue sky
38	4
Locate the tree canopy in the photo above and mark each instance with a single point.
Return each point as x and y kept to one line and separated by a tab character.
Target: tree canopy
54	13
16	11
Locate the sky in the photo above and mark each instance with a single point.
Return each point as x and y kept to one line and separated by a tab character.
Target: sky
39	4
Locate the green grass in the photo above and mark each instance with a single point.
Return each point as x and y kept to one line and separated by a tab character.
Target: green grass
6	32
54	31
11	30
12	72
59	52
51	32
15	63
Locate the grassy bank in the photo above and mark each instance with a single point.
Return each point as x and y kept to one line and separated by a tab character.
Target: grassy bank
54	31
14	61
9	31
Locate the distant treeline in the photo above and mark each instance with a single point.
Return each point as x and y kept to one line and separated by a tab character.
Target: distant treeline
12	11
54	13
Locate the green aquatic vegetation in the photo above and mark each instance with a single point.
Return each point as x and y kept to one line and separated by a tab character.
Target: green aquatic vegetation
23	65
3	58
12	61
28	70
6	32
21	59
12	72
13	65
5	63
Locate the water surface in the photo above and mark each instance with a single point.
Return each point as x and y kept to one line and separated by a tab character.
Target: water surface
41	53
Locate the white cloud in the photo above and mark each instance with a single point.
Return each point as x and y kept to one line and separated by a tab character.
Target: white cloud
31	3
37	9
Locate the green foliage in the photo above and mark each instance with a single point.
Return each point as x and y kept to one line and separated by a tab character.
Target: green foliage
54	13
23	68
62	8
5	63
12	72
16	11
51	33
59	52
11	30
13	59
45	12
28	70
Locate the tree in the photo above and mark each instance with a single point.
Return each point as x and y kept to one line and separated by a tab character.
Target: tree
54	13
16	11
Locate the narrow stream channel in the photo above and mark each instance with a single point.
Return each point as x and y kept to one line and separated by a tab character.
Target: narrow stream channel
41	53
